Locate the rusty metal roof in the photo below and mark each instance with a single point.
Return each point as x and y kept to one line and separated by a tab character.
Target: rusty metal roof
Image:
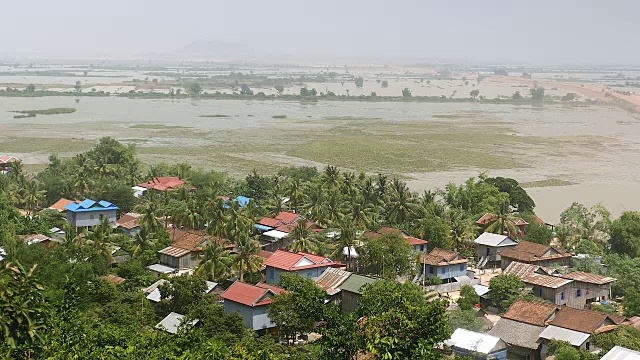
589	278
530	312
174	251
331	279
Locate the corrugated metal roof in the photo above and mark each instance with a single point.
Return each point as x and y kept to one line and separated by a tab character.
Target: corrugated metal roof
441	257
90	205
530	312
172	322
517	333
548	281
589	278
287	260
174	251
575	338
474	341
620	353
586	321
355	282
495	240
162	269
331	278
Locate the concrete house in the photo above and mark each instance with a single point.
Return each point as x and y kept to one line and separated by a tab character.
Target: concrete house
576	289
417	244
351	291
445	264
252	302
520	328
488	247
6	161
536	254
88	212
466	343
300	263
576	327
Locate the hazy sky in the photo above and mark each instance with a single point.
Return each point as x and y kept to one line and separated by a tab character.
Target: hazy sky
602	31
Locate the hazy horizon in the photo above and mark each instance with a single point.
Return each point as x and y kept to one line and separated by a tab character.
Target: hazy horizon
549	32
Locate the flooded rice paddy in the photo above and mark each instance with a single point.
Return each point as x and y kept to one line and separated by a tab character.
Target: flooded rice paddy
596	149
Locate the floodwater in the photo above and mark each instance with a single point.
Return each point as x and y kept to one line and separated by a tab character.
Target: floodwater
600	152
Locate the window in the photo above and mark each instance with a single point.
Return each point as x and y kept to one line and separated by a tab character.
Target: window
562	295
271	274
539	292
488	251
91	217
431	271
461	267
310	274
442	271
578	292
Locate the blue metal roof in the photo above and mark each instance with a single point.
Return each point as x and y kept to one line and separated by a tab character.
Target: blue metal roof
90	205
242	200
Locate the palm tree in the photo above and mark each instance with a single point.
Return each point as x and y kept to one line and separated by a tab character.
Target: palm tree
149	213
296	194
363	213
401	203
81	182
331	177
302	239
347	239
72	237
334	208
217	261
32	196
462	228
143	240
101	237
503	222
246	258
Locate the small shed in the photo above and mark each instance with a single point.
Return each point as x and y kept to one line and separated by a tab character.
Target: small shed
476	345
172	323
351	291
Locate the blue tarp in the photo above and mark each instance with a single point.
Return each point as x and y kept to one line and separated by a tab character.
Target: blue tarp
262	227
241	200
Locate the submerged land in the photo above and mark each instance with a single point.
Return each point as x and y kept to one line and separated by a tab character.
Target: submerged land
563	148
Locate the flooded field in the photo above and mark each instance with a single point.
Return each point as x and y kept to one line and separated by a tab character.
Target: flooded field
593	148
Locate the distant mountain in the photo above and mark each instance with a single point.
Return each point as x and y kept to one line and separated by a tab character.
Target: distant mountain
214	50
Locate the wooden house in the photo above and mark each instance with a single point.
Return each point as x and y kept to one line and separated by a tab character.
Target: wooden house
300	263
252	302
444	264
536	254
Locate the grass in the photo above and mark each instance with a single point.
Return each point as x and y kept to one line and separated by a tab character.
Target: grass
43	145
24	116
214	116
546	183
51	111
279	116
156	126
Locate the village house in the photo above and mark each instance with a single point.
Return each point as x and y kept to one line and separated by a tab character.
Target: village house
575	289
447	265
417	244
330	281
44	240
488	247
183	254
153	290
166	183
300	263
275	231
252	302
478	346
576	327
129	224
89	213
487	219
536	254
6	161
351	291
520	328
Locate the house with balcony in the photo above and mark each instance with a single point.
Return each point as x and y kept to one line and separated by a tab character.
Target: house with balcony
488	247
447	265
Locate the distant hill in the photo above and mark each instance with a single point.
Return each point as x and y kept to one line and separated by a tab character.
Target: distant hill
214	50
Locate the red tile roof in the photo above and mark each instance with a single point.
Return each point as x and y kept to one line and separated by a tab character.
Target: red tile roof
61	204
251	295
115	280
189	240
287	260
415	241
163	183
530	312
6	159
271	222
288	217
